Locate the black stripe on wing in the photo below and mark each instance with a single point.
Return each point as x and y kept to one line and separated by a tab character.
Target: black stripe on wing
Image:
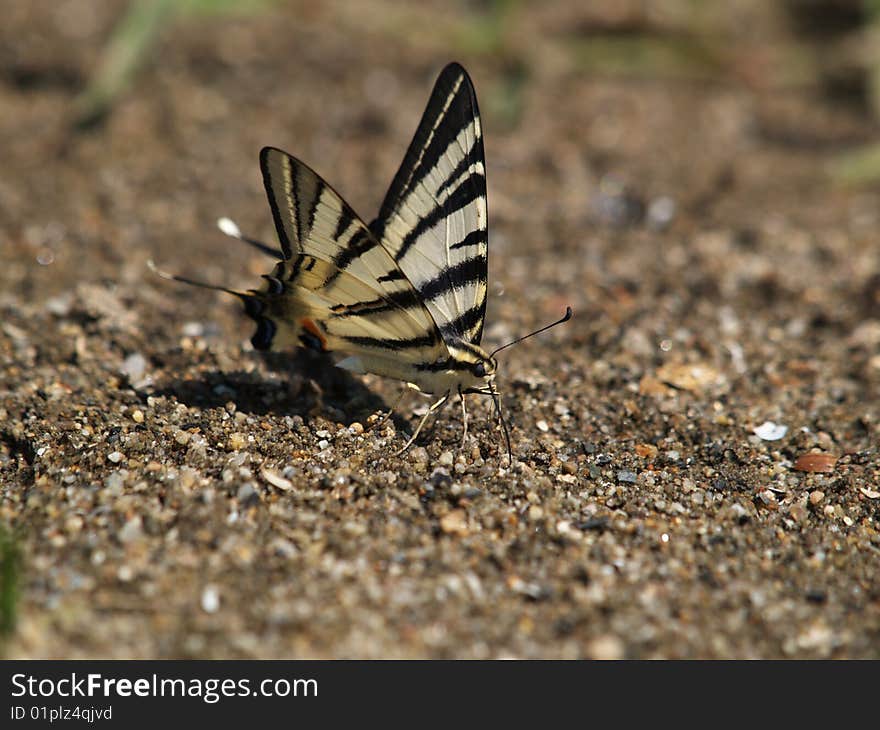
441	177
471	188
451	108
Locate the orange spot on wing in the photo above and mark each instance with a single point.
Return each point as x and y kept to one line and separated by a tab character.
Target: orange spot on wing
309	326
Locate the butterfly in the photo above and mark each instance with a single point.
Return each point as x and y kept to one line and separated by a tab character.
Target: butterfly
403	297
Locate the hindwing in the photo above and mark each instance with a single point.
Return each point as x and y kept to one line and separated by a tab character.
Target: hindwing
338	289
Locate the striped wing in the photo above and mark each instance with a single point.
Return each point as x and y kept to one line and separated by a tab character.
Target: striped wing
337	290
433	220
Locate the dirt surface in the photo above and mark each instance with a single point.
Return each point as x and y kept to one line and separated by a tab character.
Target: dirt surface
176	494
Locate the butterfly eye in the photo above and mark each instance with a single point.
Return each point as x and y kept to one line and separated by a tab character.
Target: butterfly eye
480	370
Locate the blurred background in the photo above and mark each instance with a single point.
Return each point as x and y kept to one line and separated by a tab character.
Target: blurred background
133	125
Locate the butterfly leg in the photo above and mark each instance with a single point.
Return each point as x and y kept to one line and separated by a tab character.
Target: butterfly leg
391	410
464	419
412	438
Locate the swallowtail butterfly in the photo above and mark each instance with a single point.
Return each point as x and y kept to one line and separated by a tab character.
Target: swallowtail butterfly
405	296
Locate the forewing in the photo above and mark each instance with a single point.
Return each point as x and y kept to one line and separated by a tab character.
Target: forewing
433	220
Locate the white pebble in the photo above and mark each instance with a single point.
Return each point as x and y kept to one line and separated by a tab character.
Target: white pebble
134	366
210	599
769	431
276	480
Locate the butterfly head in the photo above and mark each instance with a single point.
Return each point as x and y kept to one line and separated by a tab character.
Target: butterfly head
484	369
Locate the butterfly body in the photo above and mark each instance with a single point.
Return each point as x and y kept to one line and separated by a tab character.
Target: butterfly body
291	312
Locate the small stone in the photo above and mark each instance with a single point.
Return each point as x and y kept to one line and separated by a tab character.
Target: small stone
246	492
446	458
134	366
137	416
646	451
276	480
115	456
237	441
356	429
769	431
542	426
193	329
210	599
115	481
869	493
454	522
626	477
607	647
131	530
535	513
695	377
816	497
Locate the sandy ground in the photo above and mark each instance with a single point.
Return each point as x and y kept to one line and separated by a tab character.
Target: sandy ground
176	494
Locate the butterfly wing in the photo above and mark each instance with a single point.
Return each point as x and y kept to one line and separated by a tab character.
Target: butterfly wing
433	220
337	290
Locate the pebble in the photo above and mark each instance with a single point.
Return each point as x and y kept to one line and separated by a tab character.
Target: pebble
542	426
816	497
627	477
276	480
131	530
769	431
193	329
137	416
454	522
246	492
446	458
210	599
237	441
115	481
115	456
134	366
694	377
608	648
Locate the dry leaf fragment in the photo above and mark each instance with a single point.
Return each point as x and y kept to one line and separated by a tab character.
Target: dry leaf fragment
815	462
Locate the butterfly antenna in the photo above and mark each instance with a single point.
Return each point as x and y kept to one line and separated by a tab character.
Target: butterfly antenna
192	282
231	229
497	401
565	318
